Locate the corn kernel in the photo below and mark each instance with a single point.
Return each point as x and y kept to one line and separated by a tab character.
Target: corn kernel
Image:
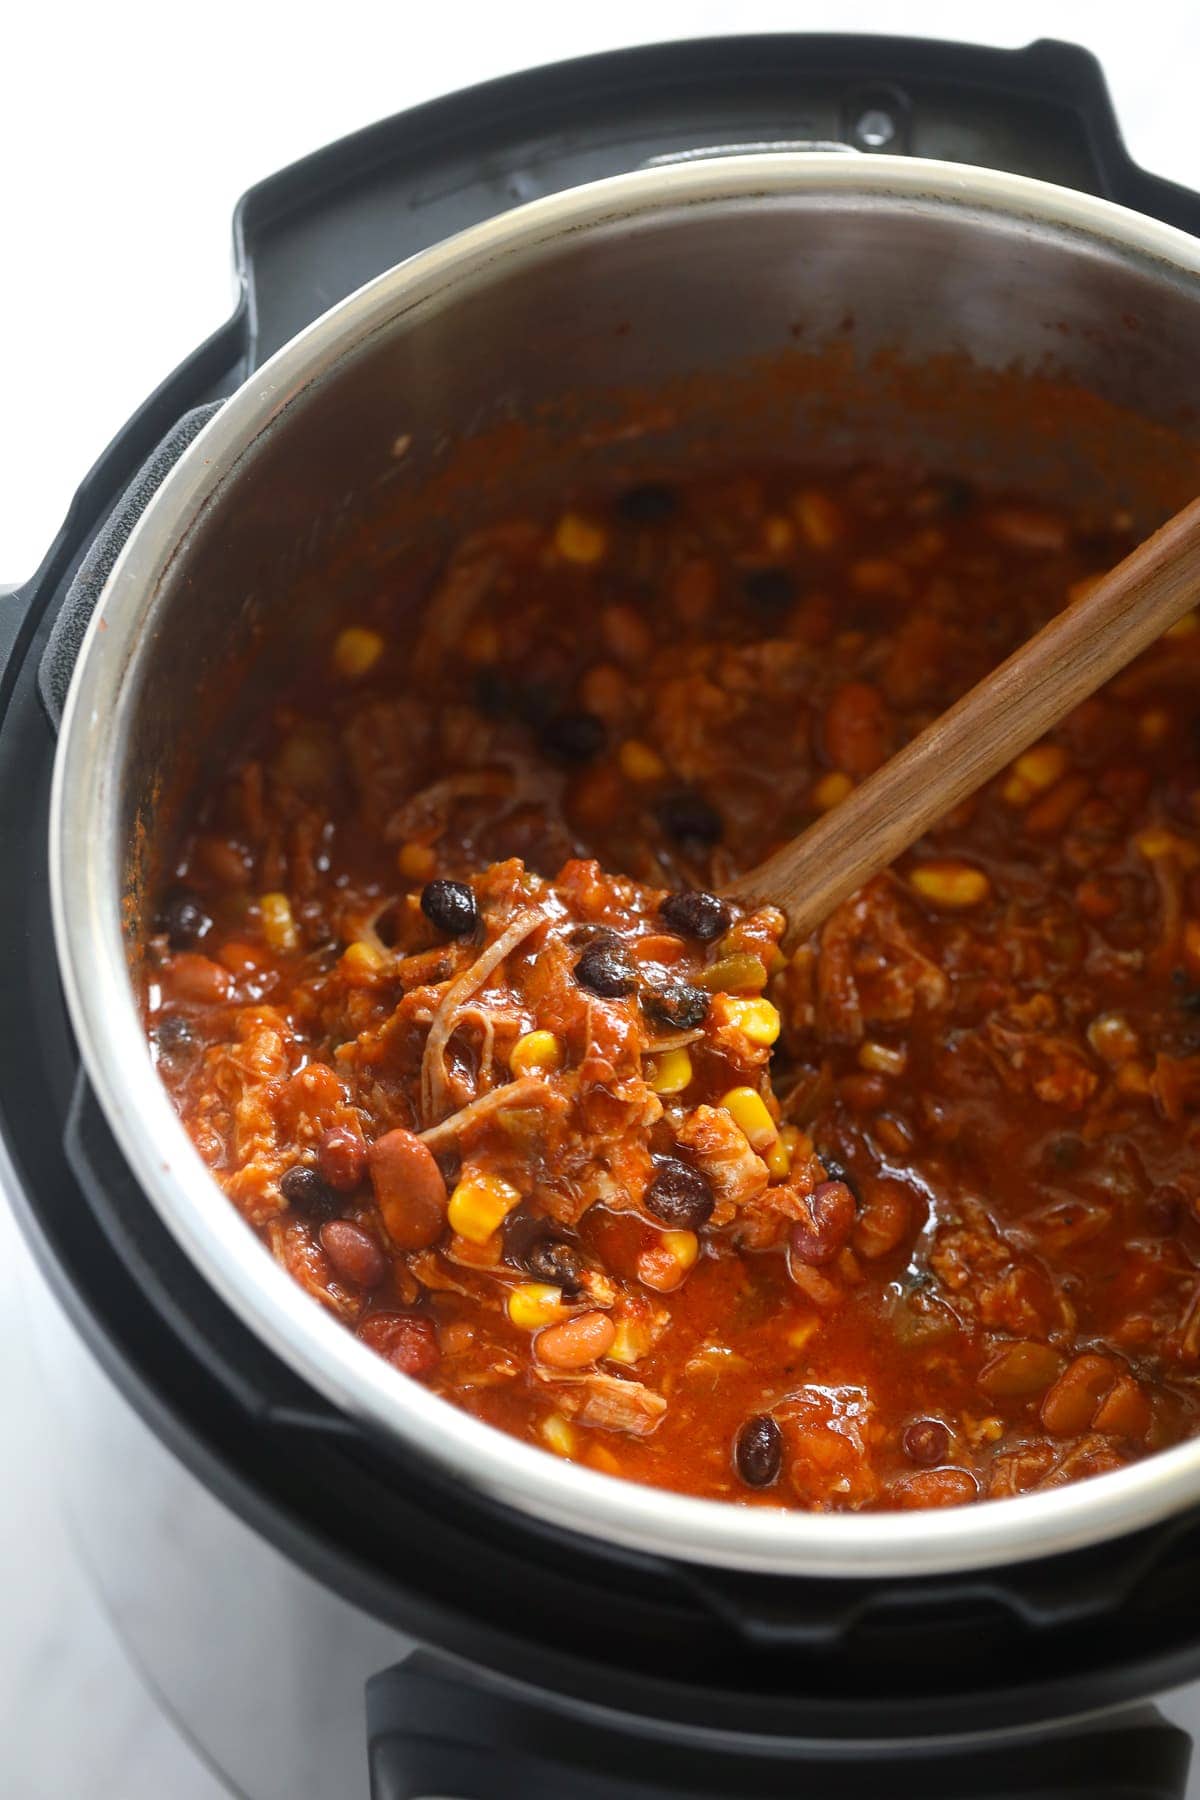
481	644
778	1160
684	1247
882	1059
1154	726
733	974
803	1333
757	1020
1034	771
669	1073
580	540
1113	1038
534	1304
600	1457
878	575
952	885
278	925
831	790
639	762
631	1342
362	959
818	518
479	1204
778	535
748	1110
799	1144
558	1434
537	1053
1191	945
356	651
417	862
1133	1078
1183	628
1156	842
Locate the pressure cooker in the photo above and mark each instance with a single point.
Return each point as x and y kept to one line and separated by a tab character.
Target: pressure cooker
335	1582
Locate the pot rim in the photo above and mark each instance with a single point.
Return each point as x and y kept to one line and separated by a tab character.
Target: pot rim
85	899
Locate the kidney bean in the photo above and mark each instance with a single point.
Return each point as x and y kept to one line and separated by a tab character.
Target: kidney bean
576	1342
1021	1368
342	1158
690	819
935	1487
409	1189
605	969
1071	1403
678	1003
758	1450
884	1219
926	1441
353	1252
406	1340
225	862
574	737
825	1225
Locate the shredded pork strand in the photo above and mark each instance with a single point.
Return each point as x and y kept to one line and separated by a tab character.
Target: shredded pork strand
528	1090
445	1020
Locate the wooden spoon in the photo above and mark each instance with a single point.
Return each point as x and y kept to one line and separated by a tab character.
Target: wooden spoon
1078	651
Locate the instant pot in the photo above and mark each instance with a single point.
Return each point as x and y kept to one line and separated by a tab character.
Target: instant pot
337	1584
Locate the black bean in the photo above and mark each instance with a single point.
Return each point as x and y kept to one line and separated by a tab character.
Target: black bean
304	1189
648	504
836	1171
677	1003
689	818
553	1260
772	589
758	1451
696	914
531	1243
495	693
574	737
926	1441
679	1195
451	907
174	1033
605	969
183	917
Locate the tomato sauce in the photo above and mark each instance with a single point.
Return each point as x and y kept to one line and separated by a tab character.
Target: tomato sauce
443	989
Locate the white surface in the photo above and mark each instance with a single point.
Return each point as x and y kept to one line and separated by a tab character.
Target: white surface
127	133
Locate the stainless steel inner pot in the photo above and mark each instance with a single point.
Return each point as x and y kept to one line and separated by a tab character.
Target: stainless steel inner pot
916	283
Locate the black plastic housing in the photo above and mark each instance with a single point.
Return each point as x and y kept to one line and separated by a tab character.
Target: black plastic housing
666	1642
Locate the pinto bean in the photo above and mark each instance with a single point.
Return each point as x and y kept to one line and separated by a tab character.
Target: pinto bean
576	1342
884	1220
1021	1368
409	1189
1125	1411
194	977
1070	1405
936	1487
856	729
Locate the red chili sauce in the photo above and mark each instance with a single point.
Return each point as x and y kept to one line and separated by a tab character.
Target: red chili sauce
904	1215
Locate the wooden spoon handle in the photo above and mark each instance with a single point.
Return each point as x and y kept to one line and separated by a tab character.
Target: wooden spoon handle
1078	651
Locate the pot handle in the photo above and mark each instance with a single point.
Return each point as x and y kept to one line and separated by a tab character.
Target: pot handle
62	649
433	1728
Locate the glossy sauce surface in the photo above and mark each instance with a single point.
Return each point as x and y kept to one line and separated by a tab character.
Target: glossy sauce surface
902	1216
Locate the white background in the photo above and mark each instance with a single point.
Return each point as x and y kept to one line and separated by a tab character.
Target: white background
127	133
